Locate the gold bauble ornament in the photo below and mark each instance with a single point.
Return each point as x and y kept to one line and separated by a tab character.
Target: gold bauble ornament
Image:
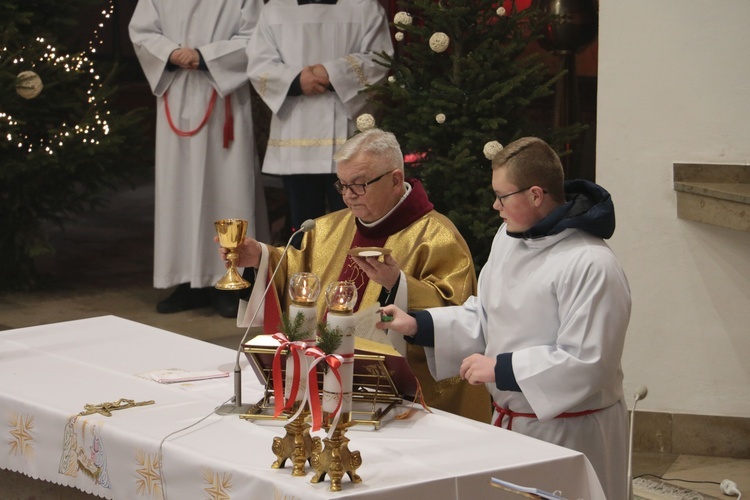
439	41
491	149
365	121
440	118
402	19
399	36
28	84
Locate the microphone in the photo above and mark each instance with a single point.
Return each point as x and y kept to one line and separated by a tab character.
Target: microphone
236	406
640	394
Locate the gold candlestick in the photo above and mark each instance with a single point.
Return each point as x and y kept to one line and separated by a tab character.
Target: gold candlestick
335	459
296	445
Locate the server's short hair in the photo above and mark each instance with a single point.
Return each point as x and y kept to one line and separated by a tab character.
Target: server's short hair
530	161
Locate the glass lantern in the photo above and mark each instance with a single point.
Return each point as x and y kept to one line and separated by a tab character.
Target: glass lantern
341	297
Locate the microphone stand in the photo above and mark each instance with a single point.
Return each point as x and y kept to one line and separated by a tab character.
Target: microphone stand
640	394
236	406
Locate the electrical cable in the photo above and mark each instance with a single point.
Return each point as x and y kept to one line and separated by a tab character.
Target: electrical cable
161	444
677	479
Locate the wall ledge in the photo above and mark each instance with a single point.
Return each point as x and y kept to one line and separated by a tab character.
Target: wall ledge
685	434
717	194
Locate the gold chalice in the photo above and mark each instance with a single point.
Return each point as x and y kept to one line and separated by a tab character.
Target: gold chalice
231	233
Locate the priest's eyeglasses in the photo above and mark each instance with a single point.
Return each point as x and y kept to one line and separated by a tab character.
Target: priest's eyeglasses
500	198
357	189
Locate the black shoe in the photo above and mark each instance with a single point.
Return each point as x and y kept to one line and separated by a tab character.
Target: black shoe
226	302
184	298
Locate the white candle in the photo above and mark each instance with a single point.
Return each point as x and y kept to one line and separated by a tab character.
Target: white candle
331	390
308	312
308	325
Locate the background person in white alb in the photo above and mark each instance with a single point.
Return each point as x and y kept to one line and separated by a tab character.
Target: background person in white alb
309	61
193	54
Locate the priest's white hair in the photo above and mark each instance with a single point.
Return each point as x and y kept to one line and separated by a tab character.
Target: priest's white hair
373	142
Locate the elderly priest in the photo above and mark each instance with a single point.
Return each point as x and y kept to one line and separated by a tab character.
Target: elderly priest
429	264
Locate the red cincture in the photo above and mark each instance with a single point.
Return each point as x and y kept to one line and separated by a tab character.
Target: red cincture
228	118
502	412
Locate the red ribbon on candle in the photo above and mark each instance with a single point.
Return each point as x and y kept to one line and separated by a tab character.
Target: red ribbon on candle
278	388
334	361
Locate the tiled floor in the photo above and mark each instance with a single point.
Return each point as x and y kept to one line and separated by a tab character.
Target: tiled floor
103	266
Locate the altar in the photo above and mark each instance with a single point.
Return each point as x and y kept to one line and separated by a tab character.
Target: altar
49	374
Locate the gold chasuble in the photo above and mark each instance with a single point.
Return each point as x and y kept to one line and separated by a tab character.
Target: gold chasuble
434	259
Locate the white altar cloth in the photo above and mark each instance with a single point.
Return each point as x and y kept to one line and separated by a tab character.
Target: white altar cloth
48	373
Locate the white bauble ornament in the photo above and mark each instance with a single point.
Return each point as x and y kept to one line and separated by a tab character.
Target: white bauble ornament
365	121
439	41
391	79
402	19
440	118
28	84
398	36
491	149
500	11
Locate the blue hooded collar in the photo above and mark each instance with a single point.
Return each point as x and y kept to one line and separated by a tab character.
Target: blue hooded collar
588	207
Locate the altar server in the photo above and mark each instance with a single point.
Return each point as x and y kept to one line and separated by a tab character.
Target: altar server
430	264
545	331
309	60
193	54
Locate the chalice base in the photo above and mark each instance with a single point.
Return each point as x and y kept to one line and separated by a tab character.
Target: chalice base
232	280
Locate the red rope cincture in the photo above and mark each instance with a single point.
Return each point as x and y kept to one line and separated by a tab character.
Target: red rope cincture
502	412
228	118
228	121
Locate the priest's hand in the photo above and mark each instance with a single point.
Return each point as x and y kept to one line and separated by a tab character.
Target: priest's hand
248	252
384	272
478	369
312	82
397	320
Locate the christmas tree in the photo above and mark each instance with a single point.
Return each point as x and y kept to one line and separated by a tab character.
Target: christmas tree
462	84
63	145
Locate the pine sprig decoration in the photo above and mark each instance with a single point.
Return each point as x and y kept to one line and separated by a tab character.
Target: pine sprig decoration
294	329
328	339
